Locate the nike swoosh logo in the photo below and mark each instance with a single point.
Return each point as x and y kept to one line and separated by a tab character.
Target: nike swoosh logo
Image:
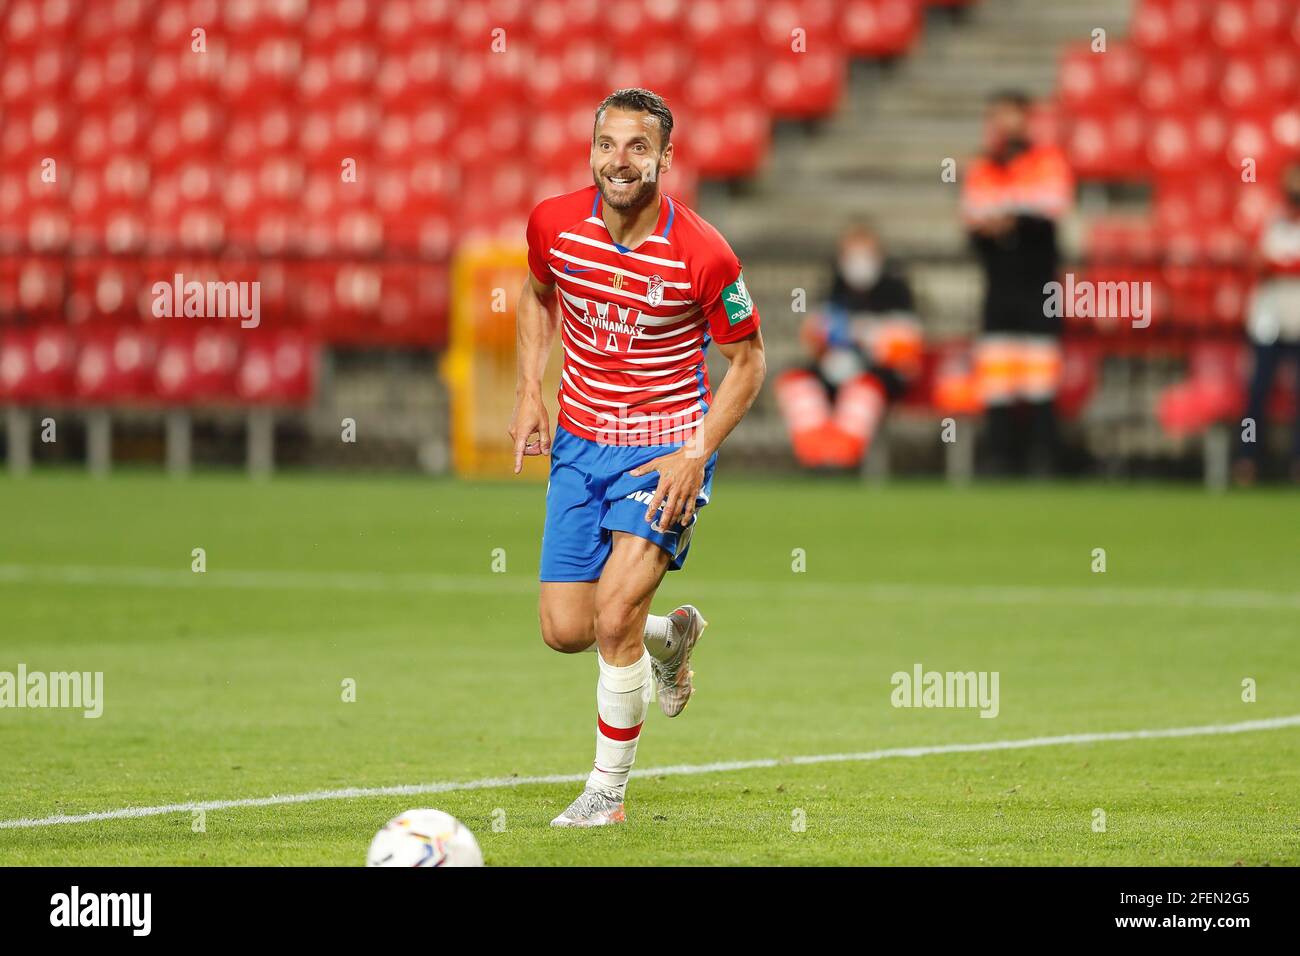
574	271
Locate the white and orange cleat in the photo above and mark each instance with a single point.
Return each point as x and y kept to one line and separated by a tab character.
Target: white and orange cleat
593	808
673	677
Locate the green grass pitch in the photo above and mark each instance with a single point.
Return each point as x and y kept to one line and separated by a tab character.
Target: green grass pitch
228	684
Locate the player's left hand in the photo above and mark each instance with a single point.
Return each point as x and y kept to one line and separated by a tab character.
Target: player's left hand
681	476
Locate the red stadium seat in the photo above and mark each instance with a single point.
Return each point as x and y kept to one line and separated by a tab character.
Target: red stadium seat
110	20
1080	371
170	23
1265	77
196	366
33	131
1251	145
277	369
1106	144
33	287
174	369
1182	141
1178	78
116	367
1243	25
1120	240
729	140
37	365
718	27
418	75
38	73
880	28
340	20
1092	80
105	290
394	304
1213	391
552	22
258	18
1163	25
258	68
803	85
33	23
428	23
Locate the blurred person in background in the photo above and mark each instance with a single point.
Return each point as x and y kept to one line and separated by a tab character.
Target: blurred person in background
1273	324
865	346
1012	198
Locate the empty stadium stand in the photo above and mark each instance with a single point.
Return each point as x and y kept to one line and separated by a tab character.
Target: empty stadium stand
336	153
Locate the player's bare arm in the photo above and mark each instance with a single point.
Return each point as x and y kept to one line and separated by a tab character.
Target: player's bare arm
535	323
681	474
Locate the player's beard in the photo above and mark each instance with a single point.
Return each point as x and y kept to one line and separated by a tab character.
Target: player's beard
637	197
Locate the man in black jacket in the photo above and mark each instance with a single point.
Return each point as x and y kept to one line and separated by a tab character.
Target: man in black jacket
1012	199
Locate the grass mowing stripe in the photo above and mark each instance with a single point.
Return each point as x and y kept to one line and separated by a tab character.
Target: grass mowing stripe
1011	595
492	783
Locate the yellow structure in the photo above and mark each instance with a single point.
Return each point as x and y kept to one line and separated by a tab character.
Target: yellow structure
479	366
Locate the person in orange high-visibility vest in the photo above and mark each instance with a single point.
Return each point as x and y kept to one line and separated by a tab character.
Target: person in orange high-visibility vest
1012	198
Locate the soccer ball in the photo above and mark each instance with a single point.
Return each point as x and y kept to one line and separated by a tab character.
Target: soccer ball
424	838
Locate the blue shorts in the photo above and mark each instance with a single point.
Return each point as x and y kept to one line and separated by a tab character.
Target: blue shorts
591	495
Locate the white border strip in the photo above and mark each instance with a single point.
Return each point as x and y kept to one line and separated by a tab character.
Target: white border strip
680	770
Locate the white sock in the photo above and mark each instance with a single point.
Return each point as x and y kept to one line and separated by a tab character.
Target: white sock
660	638
621	702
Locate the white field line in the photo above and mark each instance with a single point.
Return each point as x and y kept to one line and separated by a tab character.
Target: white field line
503	585
679	770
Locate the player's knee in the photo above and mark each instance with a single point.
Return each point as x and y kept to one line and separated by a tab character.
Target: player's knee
565	635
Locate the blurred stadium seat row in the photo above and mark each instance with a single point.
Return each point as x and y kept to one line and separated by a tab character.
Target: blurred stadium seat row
56	364
361	302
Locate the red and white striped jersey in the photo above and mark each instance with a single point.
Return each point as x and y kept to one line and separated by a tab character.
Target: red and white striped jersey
635	322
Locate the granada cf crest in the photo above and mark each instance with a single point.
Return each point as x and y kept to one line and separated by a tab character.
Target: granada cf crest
654	291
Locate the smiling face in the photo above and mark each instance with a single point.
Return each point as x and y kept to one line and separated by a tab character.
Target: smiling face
627	158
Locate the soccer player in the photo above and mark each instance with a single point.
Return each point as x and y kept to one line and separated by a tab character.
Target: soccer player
638	286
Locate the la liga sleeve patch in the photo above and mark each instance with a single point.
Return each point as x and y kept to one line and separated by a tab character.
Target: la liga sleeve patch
736	300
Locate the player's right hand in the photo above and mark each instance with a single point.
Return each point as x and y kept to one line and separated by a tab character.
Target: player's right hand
530	420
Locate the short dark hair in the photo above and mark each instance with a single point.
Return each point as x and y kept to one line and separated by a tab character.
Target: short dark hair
860	226
1011	97
638	100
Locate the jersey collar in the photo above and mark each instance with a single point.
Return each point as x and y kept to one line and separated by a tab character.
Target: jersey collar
667	210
